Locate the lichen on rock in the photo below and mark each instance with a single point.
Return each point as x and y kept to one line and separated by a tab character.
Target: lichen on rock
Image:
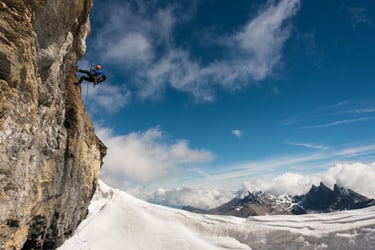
49	154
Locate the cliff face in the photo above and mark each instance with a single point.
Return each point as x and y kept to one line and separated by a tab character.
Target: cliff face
49	154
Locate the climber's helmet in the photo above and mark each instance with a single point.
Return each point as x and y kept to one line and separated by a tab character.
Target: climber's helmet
98	67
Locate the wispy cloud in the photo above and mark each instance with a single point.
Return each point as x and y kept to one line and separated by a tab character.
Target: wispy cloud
340	122
338	114
309	145
140	38
356	151
360	111
359	15
289	121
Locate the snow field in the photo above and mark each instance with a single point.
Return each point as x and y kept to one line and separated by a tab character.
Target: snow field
119	221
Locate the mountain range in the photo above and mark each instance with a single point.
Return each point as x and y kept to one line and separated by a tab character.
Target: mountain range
319	199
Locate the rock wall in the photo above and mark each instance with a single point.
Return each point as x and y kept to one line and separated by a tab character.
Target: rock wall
49	154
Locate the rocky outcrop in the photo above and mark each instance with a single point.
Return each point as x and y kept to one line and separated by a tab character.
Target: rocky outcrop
49	154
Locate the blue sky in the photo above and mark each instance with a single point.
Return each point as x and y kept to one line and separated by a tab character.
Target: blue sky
228	95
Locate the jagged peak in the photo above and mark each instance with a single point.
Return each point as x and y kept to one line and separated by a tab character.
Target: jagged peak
247	193
320	188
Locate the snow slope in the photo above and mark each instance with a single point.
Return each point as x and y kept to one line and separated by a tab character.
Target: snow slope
119	221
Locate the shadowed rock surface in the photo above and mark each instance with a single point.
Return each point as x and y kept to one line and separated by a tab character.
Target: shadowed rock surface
323	199
49	154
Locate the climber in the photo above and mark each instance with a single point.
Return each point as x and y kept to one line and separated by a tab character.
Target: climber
94	75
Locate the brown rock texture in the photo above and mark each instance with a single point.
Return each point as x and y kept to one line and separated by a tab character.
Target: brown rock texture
50	156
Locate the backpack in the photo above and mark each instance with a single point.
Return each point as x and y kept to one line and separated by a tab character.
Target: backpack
100	80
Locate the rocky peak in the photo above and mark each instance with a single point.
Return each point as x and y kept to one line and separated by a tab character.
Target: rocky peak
323	199
255	203
49	154
318	198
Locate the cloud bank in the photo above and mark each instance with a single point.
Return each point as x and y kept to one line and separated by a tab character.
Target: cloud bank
357	176
139	36
144	157
203	198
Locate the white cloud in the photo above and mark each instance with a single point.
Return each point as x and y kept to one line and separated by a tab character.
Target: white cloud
140	38
183	154
263	37
132	49
238	133
357	176
144	157
203	198
291	183
130	31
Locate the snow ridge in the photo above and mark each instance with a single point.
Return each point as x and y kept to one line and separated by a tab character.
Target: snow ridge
120	221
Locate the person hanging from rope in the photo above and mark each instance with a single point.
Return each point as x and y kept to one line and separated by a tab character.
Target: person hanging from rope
94	75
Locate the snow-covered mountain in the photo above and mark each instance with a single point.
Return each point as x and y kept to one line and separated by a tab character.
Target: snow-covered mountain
318	199
119	221
252	204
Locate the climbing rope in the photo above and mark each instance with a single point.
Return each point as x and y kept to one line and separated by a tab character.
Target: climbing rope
87	93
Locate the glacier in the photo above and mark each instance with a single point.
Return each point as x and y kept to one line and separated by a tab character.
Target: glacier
117	220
